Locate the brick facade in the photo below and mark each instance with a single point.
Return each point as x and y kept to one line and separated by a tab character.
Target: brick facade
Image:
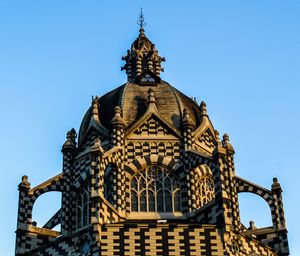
148	128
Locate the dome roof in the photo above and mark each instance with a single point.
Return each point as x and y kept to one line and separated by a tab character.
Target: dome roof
143	68
132	98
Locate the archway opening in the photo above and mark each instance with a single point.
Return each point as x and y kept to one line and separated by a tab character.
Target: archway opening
254	208
45	207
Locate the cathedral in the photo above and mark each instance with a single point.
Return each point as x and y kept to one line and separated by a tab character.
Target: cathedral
148	174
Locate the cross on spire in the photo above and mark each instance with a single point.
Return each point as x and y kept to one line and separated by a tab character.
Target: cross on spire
141	21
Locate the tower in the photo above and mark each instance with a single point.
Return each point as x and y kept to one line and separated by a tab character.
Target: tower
147	174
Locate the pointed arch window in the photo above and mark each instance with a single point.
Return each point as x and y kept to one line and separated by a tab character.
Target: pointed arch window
155	189
83	206
109	183
205	190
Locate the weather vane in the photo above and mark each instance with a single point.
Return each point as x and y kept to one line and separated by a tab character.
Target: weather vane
141	22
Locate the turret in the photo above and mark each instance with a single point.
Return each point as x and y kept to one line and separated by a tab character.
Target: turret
23	217
188	128
118	125
142	56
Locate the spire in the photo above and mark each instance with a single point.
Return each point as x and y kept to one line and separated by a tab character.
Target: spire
143	56
203	109
151	97
117	120
226	143
187	121
70	143
25	184
141	22
276	185
252	225
96	147
95	106
218	137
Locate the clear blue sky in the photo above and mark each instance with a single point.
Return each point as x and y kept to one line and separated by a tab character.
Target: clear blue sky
241	57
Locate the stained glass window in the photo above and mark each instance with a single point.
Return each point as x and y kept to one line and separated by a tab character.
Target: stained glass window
205	191
155	189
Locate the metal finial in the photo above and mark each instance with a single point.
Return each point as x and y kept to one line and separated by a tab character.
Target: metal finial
141	22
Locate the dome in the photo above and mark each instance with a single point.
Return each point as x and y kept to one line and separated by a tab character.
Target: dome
132	99
143	68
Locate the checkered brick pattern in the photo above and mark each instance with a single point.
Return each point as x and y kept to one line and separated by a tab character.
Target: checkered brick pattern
190	160
67	202
54	221
152	126
26	201
117	136
89	139
246	186
135	149
233	192
107	213
193	158
243	185
62	246
210	228
225	189
54	184
210	214
277	240
205	143
194	193
160	239
188	138
243	245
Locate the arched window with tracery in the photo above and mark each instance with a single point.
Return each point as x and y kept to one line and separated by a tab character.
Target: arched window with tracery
109	183
204	189
82	206
155	189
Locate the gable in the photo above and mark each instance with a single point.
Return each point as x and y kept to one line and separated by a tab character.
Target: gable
152	127
89	140
205	142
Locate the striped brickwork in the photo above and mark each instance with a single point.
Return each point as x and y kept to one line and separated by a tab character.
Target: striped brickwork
160	239
190	150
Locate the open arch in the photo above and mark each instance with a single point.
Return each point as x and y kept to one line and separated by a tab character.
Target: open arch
243	185
254	208
46	210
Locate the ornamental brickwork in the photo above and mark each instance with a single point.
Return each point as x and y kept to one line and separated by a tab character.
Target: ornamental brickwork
148	175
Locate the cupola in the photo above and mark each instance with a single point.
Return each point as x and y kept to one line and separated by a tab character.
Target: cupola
142	58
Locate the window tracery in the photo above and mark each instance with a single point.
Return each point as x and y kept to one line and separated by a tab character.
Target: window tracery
155	189
82	206
108	183
205	190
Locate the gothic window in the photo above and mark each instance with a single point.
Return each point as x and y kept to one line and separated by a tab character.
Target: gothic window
108	183
205	190
148	78
155	189
82	206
